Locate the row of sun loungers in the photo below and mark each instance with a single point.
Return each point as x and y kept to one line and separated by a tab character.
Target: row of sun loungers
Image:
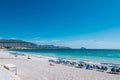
87	65
115	69
16	53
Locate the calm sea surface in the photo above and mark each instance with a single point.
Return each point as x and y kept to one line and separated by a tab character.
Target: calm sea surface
99	55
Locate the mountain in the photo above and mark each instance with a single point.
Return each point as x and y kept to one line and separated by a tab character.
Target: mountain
52	47
82	48
20	44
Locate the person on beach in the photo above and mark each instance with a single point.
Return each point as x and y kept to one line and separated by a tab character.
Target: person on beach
51	64
29	57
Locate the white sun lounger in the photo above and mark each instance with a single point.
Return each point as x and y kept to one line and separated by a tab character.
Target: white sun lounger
11	67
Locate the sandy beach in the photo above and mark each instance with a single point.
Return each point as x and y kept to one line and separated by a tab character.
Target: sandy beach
38	68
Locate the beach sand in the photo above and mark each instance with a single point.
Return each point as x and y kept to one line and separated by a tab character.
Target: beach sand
38	68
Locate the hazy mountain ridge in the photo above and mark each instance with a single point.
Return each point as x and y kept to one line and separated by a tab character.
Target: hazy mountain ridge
20	44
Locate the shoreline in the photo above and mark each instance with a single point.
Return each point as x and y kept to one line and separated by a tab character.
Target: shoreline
78	59
39	68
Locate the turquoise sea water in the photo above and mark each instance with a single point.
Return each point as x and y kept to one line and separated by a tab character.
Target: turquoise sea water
99	55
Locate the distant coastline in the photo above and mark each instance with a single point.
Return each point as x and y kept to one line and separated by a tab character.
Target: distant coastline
20	44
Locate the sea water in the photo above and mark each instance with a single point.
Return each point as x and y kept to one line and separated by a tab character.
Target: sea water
99	55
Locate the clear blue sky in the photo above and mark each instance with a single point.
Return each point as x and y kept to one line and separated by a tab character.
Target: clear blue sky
73	23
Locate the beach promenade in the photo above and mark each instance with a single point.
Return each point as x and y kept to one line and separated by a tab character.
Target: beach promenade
7	75
38	68
4	76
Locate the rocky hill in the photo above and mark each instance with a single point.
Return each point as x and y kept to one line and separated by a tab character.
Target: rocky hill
19	44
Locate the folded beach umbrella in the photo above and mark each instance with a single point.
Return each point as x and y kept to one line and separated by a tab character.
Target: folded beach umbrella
93	63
